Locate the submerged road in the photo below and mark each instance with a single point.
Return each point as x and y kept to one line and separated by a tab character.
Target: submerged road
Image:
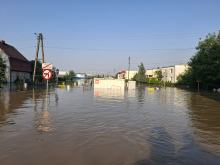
109	127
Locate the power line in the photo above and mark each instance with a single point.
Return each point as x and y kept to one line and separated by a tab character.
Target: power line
106	49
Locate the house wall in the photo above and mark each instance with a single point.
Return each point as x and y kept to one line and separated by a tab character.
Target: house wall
121	75
80	75
168	74
151	73
62	73
21	75
171	73
6	59
131	74
180	69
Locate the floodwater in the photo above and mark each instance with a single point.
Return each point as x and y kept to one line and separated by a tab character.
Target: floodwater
79	126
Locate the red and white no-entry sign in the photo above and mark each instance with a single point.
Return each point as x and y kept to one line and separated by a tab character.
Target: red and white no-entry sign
47	74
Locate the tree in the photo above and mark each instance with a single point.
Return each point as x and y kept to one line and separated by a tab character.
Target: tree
72	74
2	70
69	76
140	76
159	75
204	66
38	77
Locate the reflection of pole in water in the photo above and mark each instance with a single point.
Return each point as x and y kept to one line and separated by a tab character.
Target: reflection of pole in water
34	100
43	118
56	99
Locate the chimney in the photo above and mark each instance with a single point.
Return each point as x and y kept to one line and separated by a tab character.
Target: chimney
3	42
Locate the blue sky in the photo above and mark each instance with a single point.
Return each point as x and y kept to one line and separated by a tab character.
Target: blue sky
99	35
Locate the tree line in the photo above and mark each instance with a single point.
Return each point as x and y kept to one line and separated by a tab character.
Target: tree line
204	66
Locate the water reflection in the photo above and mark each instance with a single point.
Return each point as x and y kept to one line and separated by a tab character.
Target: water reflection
10	102
109	93
131	93
162	148
205	118
43	118
163	151
141	91
167	126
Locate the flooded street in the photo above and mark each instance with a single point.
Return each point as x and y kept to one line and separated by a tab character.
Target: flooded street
108	127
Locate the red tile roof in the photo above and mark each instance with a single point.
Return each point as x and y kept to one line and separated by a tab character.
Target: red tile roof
17	60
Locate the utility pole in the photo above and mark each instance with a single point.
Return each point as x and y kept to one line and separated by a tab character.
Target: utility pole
39	42
129	67
42	46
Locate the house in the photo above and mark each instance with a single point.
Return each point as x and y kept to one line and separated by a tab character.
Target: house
169	73
17	66
62	74
121	74
130	74
151	72
80	75
126	74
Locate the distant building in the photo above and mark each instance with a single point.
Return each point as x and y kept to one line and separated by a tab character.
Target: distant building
151	72
80	75
62	73
17	66
130	74
170	73
126	74
121	74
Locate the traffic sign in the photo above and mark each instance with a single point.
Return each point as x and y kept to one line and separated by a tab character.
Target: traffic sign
46	66
47	74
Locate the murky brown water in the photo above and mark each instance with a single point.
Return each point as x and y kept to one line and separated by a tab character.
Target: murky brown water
104	127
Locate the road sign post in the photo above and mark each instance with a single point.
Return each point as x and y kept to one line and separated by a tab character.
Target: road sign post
47	72
47	66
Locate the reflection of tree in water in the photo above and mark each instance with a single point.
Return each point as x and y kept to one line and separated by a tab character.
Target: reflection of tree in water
163	151
205	116
141	90
10	102
56	99
162	148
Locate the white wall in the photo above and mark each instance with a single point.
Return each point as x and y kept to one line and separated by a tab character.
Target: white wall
21	75
11	76
168	74
109	83
62	73
171	73
131	74
180	69
151	73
